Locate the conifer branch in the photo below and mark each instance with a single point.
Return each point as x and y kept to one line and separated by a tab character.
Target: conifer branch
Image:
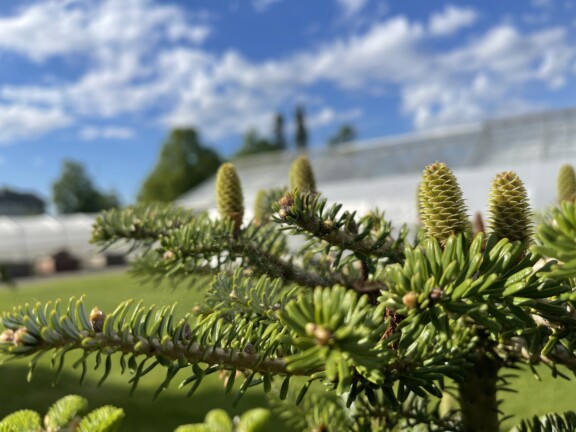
306	214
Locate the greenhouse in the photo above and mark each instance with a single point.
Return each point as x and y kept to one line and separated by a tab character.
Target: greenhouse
385	172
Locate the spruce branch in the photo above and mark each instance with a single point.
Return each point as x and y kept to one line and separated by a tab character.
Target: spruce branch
263	203
556	239
369	237
552	422
139	225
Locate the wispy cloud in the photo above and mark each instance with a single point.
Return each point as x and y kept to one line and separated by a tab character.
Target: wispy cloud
351	8
110	132
20	122
452	19
137	65
262	5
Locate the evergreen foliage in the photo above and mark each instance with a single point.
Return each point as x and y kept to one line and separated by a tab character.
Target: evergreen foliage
183	163
345	134
263	203
279	140
74	192
301	132
65	415
254	144
390	328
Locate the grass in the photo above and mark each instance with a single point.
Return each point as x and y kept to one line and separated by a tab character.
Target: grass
172	408
143	414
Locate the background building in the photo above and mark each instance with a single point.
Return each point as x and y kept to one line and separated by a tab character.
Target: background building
385	172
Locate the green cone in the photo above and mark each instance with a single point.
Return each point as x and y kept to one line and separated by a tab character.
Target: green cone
509	214
566	183
302	176
442	209
229	198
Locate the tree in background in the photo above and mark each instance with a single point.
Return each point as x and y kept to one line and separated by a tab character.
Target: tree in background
279	138
301	134
254	143
74	192
184	163
345	134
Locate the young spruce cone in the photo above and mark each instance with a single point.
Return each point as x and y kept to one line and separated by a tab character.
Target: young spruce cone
229	196
566	183
509	211
442	208
302	176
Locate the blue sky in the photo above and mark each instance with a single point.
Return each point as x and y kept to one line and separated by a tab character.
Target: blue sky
103	81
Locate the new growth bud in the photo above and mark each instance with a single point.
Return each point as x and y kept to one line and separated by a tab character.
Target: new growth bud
320	333
97	318
410	300
7	336
229	198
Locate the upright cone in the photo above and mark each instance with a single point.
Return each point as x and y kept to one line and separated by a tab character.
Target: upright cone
230	200
442	208
566	183
509	211
302	176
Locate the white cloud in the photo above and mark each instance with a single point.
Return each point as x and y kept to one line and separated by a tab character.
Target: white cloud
100	29
262	5
110	132
452	19
327	116
137	64
18	122
351	7
542	3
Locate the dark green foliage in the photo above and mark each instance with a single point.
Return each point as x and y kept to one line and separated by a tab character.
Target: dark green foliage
254	144
566	183
345	134
183	163
509	211
74	192
279	140
301	133
549	423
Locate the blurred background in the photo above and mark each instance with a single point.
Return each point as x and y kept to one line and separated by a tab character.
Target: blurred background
113	102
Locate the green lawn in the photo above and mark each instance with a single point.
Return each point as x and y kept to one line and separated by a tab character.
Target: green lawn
172	408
